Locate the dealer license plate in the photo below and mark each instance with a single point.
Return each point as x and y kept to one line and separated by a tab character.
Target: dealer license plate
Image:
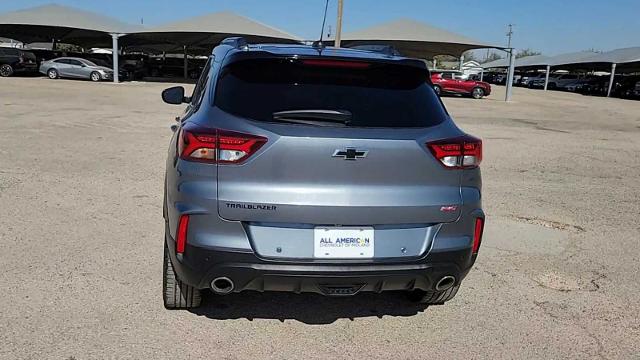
343	242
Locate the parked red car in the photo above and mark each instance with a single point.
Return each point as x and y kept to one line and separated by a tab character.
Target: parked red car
447	82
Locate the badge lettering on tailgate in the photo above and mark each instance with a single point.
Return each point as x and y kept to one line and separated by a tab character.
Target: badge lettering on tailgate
252	206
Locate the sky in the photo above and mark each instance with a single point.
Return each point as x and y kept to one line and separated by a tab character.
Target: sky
548	26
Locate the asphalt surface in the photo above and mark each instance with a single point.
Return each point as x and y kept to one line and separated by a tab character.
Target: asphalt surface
81	169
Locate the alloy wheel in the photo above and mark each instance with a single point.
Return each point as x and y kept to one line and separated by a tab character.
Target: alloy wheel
6	70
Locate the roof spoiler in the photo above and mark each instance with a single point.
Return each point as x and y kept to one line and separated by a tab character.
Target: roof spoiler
237	42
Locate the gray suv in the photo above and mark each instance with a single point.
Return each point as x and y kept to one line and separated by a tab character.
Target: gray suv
309	169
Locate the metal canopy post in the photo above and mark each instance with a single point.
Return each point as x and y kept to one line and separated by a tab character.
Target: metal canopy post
611	79
186	63
512	67
116	75
546	77
461	63
338	37
482	74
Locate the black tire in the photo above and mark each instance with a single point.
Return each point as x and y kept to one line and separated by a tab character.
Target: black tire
434	297
437	89
53	74
95	76
175	293
6	70
477	93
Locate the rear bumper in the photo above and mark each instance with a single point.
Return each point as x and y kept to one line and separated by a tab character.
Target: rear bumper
198	267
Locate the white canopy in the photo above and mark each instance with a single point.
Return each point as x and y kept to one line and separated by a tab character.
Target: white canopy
415	39
207	31
61	23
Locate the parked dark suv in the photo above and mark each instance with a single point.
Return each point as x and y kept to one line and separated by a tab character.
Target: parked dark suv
308	169
14	60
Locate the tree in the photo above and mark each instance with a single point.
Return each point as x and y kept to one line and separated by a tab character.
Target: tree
470	56
491	56
526	52
446	62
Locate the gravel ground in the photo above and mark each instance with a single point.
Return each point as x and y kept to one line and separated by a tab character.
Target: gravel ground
81	168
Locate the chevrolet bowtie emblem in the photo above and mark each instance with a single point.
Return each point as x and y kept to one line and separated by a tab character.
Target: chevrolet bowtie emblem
350	153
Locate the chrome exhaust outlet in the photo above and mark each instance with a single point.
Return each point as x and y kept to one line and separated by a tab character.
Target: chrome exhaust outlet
222	285
445	283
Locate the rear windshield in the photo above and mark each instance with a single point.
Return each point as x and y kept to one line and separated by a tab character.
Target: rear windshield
377	95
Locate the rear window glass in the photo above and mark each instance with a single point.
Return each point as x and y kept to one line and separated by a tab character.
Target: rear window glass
378	95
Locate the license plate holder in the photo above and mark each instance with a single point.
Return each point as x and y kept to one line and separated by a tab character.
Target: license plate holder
342	242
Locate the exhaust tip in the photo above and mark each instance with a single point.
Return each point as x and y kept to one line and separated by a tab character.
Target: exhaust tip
222	285
445	283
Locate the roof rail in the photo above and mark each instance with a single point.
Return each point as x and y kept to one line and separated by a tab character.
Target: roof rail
237	42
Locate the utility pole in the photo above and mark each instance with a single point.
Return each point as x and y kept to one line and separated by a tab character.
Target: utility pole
512	63
339	23
509	34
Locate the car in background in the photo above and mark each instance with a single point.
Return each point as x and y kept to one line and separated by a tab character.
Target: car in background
636	91
516	79
597	86
452	83
524	78
75	68
14	60
489	77
44	55
174	67
537	82
576	86
558	81
135	65
627	87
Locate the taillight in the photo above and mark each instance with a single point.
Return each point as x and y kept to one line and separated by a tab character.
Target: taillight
181	237
459	153
477	234
217	146
235	148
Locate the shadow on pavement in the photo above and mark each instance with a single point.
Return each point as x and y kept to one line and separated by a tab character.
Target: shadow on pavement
309	308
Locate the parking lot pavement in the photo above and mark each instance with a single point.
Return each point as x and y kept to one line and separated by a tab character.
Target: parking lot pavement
81	169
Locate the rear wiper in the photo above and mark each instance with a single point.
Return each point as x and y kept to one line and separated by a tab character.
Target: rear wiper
314	117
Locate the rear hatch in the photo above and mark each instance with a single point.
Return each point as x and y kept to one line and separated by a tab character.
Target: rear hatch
344	144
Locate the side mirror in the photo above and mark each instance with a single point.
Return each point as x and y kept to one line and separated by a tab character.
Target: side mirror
174	95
